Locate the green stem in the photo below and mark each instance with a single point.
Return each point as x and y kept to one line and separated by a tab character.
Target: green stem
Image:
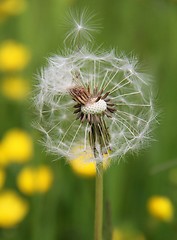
99	202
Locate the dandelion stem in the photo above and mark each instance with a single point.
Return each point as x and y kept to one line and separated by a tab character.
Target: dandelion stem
99	202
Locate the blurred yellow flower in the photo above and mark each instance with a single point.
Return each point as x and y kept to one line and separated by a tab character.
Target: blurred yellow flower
2	177
15	88
32	180
82	164
11	7
161	208
17	146
13	209
126	234
117	234
13	56
3	158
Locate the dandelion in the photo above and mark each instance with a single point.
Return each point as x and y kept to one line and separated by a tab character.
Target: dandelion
13	56
161	208
13	209
15	88
96	99
35	180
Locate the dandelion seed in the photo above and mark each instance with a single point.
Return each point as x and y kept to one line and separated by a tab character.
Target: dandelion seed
81	25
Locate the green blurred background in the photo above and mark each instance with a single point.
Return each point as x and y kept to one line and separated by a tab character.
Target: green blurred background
146	28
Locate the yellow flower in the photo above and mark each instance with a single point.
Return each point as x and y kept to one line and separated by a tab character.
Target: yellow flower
2	178
33	180
15	88
3	158
161	208
13	56
127	234
12	209
11	7
81	163
117	235
17	146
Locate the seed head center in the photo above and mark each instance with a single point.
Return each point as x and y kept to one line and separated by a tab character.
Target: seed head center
94	107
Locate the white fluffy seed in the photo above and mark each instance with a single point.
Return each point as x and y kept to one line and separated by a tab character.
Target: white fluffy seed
94	108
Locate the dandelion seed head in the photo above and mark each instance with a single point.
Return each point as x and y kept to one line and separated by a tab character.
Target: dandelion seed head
95	99
86	91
